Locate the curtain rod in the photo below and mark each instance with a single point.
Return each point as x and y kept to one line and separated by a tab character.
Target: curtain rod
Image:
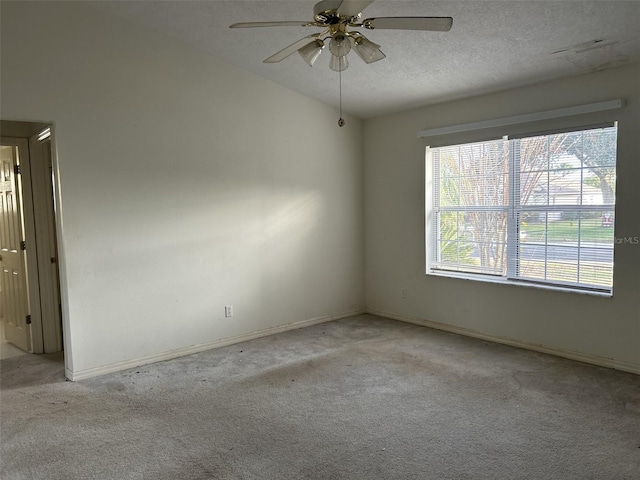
527	117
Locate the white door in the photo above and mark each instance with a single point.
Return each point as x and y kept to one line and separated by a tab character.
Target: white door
14	297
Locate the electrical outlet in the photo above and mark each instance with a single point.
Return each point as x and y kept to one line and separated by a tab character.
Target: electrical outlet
228	311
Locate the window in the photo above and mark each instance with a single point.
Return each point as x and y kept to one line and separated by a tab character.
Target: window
537	209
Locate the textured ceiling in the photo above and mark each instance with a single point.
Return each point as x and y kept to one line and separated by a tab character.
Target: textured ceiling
493	45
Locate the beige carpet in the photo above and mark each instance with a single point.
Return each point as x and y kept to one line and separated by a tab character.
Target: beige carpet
361	398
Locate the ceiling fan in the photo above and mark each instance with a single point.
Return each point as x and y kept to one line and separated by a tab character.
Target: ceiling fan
336	17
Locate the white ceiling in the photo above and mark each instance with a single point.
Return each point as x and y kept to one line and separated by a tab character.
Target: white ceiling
493	45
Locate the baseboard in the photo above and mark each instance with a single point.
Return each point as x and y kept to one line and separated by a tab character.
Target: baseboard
580	357
181	352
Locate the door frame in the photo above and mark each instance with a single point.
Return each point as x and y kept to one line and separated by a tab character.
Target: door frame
42	187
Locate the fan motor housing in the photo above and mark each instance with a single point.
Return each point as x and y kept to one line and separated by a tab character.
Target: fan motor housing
326	13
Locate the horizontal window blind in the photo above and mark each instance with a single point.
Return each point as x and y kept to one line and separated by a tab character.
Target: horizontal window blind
532	209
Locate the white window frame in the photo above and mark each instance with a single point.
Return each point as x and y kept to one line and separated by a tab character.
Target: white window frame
514	209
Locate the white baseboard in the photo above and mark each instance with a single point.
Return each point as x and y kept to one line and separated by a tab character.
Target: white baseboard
580	357
75	376
116	367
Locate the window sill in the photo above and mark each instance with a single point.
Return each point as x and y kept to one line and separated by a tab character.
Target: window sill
517	283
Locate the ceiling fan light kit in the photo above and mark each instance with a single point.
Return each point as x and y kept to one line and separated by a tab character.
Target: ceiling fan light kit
340	44
368	51
336	17
338	64
311	51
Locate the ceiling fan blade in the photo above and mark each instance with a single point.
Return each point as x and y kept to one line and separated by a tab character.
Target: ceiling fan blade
436	24
351	8
271	24
291	49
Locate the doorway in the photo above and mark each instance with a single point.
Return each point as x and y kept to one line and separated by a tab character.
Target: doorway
30	307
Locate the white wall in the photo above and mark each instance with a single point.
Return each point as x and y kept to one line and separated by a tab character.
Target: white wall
604	330
187	184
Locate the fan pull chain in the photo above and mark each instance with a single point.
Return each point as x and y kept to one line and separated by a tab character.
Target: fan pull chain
341	122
